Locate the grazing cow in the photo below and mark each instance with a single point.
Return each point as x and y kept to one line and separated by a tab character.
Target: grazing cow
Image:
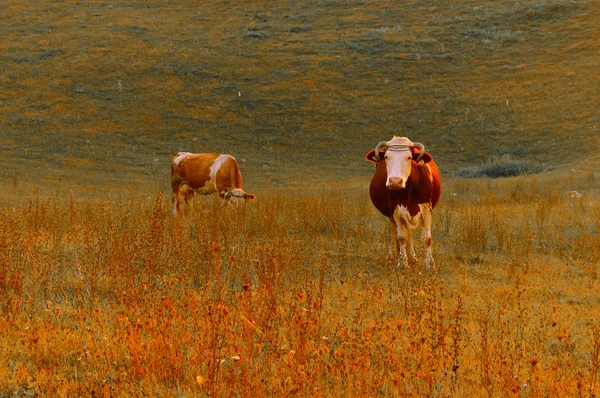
406	187
206	173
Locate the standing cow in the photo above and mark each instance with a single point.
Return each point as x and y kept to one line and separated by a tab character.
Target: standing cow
206	173
406	187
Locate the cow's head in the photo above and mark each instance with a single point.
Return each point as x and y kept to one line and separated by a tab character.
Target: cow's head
238	195
399	154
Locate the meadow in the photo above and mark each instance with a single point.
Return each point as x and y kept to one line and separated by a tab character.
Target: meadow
295	294
103	292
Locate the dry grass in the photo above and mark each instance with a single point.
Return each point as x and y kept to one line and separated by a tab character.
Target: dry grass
293	294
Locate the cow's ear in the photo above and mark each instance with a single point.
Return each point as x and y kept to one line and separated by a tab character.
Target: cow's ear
250	196
426	156
371	156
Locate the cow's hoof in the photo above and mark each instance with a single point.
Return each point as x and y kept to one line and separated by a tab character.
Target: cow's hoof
430	265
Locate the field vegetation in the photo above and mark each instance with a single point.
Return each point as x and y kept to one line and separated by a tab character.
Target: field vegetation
103	292
295	294
496	167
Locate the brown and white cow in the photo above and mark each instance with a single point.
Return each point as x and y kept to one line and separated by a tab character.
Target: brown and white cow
406	187
206	173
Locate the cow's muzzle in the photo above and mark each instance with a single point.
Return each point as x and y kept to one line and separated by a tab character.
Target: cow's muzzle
396	183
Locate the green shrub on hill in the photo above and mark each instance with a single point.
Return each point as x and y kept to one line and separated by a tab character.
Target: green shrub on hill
500	166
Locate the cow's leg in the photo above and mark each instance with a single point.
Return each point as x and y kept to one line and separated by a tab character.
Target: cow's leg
427	213
176	183
401	236
175	196
395	245
410	249
409	223
175	201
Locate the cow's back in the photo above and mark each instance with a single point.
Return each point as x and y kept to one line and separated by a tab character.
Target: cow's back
193	169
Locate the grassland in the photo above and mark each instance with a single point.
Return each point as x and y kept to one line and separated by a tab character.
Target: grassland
294	294
104	293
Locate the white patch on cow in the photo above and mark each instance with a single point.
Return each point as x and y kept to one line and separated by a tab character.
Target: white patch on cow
238	193
210	186
405	215
398	163
180	157
236	196
215	168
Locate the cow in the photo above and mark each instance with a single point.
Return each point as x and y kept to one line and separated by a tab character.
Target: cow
204	174
405	188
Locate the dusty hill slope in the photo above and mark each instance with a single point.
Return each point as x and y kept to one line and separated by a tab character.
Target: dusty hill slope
98	93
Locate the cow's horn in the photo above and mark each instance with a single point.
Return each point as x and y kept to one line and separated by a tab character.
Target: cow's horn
379	146
421	150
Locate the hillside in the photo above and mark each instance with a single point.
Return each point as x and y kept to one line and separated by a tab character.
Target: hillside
99	94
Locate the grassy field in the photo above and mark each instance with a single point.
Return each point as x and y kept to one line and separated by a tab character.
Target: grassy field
104	293
294	294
